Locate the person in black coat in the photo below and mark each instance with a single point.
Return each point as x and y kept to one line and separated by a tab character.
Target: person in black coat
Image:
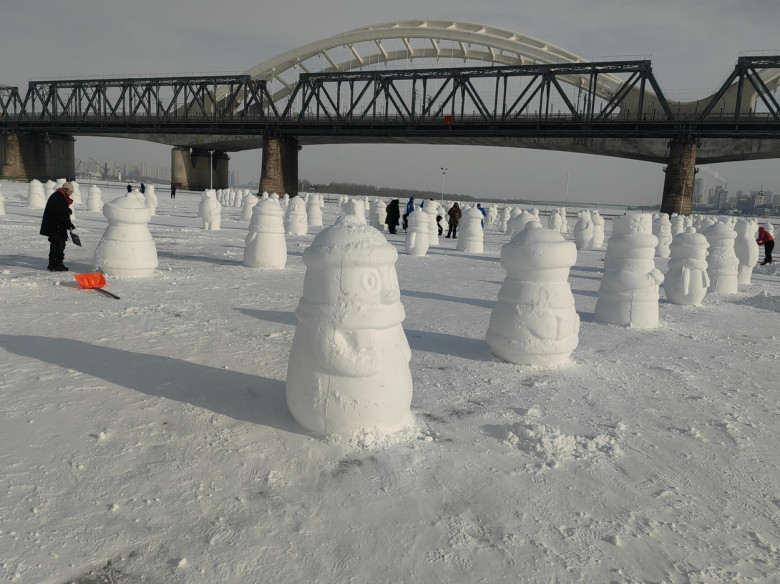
129	188
393	215
55	225
173	191
143	188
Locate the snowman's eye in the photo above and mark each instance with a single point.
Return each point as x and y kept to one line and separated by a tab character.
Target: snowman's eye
370	282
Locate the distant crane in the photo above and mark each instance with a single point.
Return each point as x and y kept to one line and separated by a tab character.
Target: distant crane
104	165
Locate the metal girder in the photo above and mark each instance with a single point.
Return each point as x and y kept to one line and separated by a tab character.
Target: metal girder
761	73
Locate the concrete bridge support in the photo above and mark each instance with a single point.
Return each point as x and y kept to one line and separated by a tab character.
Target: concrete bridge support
24	157
279	173
680	172
197	169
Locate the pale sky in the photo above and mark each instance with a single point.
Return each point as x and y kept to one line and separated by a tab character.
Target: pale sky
693	45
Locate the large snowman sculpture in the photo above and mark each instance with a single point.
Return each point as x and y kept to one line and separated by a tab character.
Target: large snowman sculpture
534	321
687	281
94	199
210	210
265	246
349	362
127	248
416	240
746	249
472	237
722	262
36	197
628	294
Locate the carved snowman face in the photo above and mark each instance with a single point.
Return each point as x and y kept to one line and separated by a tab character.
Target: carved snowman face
370	285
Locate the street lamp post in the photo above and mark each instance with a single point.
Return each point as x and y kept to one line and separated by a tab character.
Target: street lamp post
211	169
443	172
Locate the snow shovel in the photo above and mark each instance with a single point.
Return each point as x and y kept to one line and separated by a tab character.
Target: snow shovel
94	281
75	239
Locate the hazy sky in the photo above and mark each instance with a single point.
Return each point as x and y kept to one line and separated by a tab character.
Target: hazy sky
693	45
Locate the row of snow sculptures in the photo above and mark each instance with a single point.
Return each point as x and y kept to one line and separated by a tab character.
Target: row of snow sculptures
210	210
94	199
722	262
534	321
519	221
127	248
662	229
686	280
506	217
417	239
584	231
378	214
296	221
746	249
628	294
248	203
554	221
348	371
314	206
36	196
471	238
265	246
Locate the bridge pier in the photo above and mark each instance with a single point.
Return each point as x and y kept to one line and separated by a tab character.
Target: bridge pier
680	172
198	169
279	172
25	156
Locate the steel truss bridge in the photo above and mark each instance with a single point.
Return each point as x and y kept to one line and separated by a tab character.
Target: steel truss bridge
531	94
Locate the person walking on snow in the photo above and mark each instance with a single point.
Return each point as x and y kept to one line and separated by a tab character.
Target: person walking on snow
55	225
393	214
454	214
173	191
765	238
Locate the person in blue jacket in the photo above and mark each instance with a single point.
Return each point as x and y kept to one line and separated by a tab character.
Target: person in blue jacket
484	214
409	209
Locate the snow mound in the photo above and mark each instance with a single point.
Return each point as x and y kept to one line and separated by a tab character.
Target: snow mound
554	448
764	300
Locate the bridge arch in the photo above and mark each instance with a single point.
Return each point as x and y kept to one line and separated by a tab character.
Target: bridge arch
417	40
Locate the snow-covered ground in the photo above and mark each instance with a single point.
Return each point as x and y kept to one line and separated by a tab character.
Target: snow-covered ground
147	439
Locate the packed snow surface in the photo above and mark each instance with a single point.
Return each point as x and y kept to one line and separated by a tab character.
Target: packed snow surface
148	439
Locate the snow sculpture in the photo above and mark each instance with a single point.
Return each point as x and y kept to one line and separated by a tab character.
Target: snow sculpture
662	227
416	241
151	199
687	281
554	222
285	200
746	249
564	222
248	203
48	189
506	216
534	321
769	227
471	238
314	210
239	199
76	194
583	231
296	221
518	223
59	183
598	229
210	210
378	214
355	207
722	262
265	246
36	198
432	209
348	371
127	248
678	224
264	196
492	214
94	199
628	294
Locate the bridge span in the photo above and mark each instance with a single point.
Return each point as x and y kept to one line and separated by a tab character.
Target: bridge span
531	95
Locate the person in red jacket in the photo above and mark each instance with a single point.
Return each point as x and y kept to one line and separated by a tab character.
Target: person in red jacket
765	238
56	223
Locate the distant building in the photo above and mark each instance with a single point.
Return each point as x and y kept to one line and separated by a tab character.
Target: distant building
698	191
